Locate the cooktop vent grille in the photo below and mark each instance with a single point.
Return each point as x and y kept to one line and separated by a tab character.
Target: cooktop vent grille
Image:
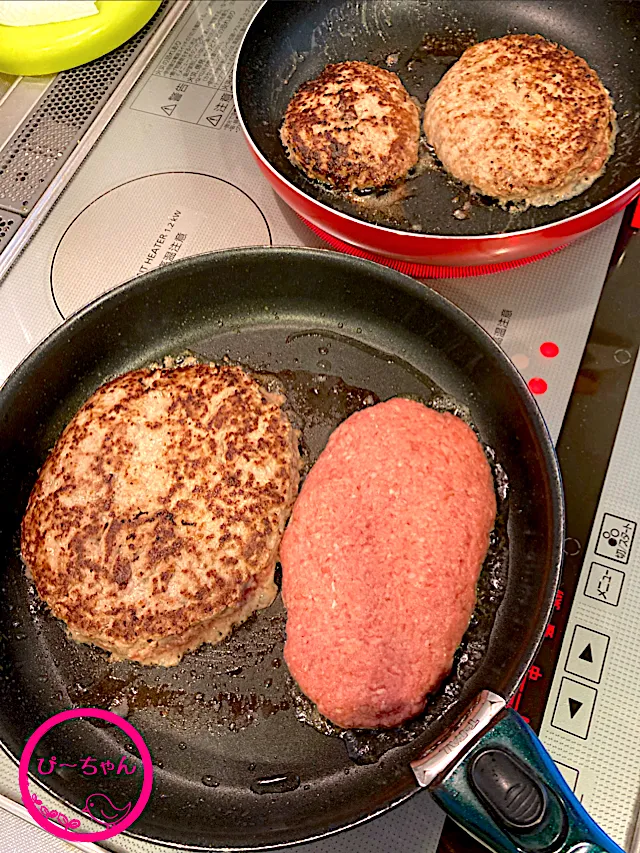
31	158
9	224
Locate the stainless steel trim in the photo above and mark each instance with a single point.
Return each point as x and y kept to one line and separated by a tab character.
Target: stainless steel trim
20	811
9	224
18	101
8	82
84	146
437	758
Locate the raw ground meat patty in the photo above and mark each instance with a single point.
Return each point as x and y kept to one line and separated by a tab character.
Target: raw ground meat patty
380	561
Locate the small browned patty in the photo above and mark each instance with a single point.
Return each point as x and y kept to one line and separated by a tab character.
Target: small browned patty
521	119
354	127
155	522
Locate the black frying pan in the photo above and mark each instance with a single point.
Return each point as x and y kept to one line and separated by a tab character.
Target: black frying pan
290	42
223	724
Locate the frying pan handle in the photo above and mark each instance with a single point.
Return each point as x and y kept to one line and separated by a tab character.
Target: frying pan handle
507	792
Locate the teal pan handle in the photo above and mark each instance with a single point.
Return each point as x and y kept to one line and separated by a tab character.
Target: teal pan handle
498	782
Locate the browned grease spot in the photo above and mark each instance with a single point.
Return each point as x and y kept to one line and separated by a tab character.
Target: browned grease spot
316	403
221	707
447	43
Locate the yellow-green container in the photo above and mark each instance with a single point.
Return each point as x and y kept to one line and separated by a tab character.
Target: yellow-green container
49	48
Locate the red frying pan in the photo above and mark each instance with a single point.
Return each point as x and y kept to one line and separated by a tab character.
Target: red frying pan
291	42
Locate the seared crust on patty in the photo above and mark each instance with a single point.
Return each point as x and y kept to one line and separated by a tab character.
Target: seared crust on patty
521	119
155	522
354	127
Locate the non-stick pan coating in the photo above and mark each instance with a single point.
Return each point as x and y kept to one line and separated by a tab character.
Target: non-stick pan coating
290	42
223	720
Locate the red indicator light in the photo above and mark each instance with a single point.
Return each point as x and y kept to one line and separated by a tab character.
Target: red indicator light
537	385
549	349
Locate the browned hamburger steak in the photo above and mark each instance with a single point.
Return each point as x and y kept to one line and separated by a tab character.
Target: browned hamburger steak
354	127
523	120
155	523
380	561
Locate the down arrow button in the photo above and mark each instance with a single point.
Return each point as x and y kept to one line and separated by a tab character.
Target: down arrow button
574	707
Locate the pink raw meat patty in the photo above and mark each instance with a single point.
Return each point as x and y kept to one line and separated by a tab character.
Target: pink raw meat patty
380	561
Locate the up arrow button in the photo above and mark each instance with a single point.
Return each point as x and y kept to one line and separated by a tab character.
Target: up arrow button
587	653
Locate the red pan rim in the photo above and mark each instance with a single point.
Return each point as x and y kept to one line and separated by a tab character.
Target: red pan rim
632	190
426	270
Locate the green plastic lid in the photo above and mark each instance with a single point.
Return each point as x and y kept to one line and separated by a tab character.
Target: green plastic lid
49	48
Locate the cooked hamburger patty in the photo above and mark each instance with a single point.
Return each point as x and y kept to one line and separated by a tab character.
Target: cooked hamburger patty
354	127
155	522
380	561
521	119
